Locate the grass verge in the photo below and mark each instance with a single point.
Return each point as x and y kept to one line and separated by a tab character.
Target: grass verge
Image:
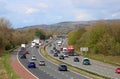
7	71
113	60
75	69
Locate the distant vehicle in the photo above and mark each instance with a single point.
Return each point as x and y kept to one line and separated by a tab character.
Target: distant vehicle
23	56
86	61
57	51
55	55
32	44
61	49
117	70
37	46
23	46
65	55
31	64
42	63
62	67
61	57
59	43
76	59
33	57
26	52
54	48
64	50
51	51
70	50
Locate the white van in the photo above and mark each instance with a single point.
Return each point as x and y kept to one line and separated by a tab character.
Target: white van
59	43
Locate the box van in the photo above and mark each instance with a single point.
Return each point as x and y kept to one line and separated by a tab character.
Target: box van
59	43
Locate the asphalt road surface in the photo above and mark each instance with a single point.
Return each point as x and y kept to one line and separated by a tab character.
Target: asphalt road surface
96	66
50	71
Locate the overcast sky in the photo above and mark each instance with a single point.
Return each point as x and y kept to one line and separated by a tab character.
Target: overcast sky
32	12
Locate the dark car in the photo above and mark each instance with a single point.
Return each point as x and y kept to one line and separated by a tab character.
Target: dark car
57	51
54	48
86	61
26	52
31	64
62	67
23	56
61	57
76	59
117	70
55	54
37	46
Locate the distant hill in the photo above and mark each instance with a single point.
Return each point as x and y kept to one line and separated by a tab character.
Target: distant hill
64	27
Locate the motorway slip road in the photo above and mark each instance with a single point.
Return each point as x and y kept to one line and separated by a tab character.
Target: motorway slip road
95	67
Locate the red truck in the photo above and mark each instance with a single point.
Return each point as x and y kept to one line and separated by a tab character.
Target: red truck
70	50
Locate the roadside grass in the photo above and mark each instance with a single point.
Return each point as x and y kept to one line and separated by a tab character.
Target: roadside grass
75	69
113	60
3	71
6	71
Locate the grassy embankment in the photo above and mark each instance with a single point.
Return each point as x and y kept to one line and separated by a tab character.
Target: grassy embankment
6	71
75	69
102	39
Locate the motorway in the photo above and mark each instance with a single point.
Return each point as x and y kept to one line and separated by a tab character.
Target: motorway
95	67
50	71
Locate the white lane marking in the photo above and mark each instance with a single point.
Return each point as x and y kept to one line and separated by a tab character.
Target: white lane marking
25	67
68	69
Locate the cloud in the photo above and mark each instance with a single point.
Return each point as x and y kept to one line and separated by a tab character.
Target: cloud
31	10
116	15
83	16
43	5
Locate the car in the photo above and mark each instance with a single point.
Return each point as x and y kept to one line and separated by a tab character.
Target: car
55	55
51	51
57	51
26	52
23	56
65	55
61	57
41	63
33	57
37	46
62	67
117	70
86	61
76	59
31	64
54	48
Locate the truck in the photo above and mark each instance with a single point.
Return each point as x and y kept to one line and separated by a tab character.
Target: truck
59	43
23	46
70	50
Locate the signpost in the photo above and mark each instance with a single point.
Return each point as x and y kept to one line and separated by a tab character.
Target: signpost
84	49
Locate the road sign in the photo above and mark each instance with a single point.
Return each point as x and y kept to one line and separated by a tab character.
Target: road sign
85	49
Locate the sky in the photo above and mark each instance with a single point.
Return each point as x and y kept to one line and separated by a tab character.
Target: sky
23	13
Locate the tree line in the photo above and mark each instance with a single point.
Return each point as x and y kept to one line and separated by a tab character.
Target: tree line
101	38
10	38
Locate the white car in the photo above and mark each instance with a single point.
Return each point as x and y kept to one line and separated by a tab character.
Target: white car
65	55
33	57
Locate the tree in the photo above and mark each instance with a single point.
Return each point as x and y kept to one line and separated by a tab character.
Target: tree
40	34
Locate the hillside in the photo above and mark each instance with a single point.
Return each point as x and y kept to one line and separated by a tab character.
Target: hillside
64	27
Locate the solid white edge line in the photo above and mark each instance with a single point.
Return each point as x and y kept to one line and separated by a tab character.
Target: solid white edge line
25	67
62	61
